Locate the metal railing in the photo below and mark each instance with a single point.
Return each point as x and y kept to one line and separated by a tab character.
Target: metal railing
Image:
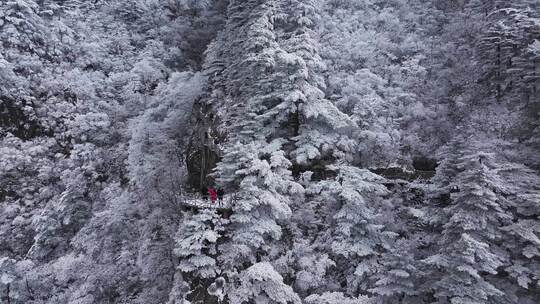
198	201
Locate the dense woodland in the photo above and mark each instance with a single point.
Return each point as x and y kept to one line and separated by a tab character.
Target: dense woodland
378	151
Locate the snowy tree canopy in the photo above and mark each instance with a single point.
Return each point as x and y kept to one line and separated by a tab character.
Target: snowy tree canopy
270	151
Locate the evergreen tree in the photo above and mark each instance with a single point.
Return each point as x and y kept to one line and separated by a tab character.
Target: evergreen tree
254	167
196	247
511	29
468	251
320	129
397	282
509	70
196	243
278	120
521	235
260	283
360	238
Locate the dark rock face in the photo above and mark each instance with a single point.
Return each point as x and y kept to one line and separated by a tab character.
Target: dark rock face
202	153
200	163
424	164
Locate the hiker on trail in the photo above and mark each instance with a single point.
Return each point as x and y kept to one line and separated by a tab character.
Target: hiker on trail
220	194
204	193
213	194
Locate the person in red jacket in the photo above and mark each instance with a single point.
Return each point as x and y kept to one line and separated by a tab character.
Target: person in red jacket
213	195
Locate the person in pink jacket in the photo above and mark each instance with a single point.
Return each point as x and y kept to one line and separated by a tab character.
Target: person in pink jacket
213	194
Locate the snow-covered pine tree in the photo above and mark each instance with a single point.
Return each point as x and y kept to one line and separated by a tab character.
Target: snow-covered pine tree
401	272
359	236
521	236
321	131
397	280
448	170
511	28
509	60
468	251
196	248
252	110
278	120
260	283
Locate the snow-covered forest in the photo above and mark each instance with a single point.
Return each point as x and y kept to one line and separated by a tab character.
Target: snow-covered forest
270	151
